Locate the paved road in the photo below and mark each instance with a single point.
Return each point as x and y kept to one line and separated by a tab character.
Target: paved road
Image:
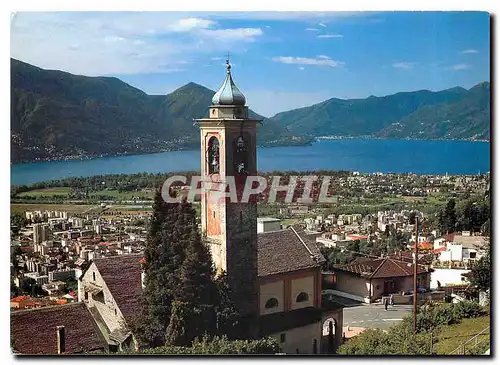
374	315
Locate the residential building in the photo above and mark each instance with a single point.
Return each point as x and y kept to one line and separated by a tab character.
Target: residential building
367	280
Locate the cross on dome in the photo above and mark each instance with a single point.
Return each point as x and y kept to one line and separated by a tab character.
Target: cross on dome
228	94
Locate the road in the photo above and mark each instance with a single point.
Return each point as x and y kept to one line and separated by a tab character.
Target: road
374	315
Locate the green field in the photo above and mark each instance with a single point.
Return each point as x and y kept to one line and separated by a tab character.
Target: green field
61	191
450	337
123	195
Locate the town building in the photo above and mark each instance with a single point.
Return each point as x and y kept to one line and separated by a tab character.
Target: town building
367	280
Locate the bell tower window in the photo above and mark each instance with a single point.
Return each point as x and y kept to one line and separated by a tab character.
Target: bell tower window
240	156
213	156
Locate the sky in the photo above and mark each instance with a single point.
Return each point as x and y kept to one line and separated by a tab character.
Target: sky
280	60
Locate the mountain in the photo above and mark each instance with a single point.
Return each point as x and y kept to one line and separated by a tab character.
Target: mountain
56	115
362	117
467	118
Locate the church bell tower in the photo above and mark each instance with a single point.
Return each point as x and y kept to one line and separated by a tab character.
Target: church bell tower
228	150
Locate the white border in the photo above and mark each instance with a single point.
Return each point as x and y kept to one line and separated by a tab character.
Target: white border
282	5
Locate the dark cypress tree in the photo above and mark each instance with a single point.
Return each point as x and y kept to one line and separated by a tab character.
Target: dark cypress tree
163	257
197	288
448	218
178	329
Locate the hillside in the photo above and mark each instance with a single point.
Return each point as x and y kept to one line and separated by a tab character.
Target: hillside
362	117
57	115
467	118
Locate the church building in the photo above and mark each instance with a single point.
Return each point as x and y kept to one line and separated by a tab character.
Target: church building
276	276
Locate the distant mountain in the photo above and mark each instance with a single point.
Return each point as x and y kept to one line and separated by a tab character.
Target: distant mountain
362	117
467	118
57	115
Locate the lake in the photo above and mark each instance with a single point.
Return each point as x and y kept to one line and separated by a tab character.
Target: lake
363	155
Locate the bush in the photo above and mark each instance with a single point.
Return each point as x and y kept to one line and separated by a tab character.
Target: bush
468	309
399	340
445	315
218	346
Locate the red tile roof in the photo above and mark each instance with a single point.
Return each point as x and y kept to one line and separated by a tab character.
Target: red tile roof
20	298
284	251
381	268
34	331
440	249
425	245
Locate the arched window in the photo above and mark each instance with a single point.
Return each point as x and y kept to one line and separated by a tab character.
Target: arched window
302	297
213	155
240	155
272	303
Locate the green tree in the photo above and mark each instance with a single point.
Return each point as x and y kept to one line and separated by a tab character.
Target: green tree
163	256
18	220
448	217
480	274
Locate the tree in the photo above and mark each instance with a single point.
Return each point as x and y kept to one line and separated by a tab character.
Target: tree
448	217
480	274
18	220
197	292
163	256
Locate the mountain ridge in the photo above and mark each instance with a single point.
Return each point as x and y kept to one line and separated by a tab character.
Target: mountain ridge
58	115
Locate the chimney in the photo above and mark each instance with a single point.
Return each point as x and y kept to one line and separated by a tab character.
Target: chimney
61	340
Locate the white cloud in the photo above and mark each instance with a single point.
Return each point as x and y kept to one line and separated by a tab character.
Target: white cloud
404	65
309	61
330	36
100	43
322	25
188	24
460	66
301	68
312	29
236	34
323	56
466	51
216	58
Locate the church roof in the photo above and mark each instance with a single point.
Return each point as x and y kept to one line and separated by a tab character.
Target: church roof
285	251
228	94
122	275
34	331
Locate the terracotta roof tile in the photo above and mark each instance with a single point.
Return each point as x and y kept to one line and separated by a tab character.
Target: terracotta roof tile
34	331
283	251
381	268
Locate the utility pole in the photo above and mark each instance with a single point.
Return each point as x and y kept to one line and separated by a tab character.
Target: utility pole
415	270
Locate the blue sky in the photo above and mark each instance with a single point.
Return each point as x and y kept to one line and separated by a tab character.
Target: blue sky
280	60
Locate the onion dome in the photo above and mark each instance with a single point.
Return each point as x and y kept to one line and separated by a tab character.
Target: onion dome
228	94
